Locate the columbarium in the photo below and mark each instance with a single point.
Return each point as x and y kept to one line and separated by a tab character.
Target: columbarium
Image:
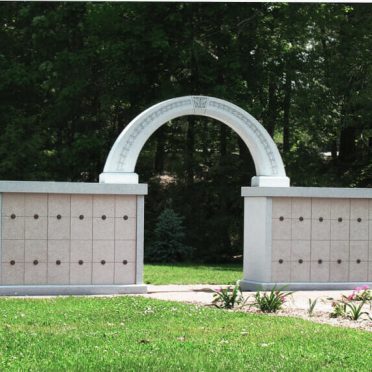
87	238
71	238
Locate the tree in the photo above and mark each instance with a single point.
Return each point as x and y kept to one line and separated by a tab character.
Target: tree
168	244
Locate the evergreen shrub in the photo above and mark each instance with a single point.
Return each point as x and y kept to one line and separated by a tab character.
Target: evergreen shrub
169	239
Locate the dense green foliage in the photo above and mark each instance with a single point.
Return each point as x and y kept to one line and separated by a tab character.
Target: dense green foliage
138	334
182	273
168	244
72	75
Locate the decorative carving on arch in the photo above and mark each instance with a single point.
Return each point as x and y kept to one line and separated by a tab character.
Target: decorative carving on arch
122	159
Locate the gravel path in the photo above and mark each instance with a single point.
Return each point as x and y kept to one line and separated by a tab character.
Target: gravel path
296	306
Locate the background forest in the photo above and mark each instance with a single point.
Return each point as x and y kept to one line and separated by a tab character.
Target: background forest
73	75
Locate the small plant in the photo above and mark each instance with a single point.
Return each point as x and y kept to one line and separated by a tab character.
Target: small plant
339	309
271	302
312	305
228	298
347	309
356	310
362	293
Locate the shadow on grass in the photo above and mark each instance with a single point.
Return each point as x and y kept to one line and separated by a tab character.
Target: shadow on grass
217	267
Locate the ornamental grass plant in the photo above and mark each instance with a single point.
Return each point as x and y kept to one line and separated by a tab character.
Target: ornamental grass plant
228	298
272	301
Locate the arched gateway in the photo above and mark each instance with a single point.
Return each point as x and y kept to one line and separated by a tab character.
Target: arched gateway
122	159
87	238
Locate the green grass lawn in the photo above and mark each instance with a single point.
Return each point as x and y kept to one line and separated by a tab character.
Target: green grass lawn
138	334
192	274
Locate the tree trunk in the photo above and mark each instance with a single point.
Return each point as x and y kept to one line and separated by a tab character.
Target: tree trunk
272	106
286	108
245	160
347	143
160	150
189	153
334	150
223	142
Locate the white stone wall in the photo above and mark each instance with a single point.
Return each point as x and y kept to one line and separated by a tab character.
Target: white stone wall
68	239
321	240
307	238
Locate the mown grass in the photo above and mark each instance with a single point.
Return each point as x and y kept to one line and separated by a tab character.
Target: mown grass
139	334
192	273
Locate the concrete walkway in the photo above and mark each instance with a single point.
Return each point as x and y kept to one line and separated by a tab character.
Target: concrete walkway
203	294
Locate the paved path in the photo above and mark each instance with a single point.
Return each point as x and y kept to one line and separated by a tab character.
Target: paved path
203	294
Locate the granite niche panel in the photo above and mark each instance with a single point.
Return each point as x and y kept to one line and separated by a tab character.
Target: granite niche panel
321	240
68	239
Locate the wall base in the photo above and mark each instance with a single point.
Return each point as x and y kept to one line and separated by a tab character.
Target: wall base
52	290
248	285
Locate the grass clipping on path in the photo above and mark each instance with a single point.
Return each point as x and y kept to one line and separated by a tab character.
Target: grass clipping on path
139	334
192	274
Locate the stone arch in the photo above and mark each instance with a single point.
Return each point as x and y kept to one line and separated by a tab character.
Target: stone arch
122	159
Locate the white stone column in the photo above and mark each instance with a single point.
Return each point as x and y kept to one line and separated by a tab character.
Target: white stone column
257	242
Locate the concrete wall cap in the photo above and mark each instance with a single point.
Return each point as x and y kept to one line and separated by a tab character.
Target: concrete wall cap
308	192
72	188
